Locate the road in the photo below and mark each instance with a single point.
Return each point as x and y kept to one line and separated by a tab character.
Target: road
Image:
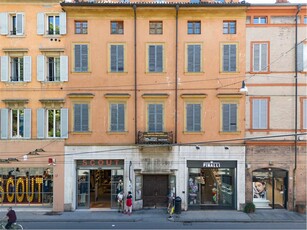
162	225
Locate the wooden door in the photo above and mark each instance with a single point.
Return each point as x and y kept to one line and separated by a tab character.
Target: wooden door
155	191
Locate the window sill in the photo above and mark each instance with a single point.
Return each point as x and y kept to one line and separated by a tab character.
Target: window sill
85	72
16	36
194	73
259	72
230	133
234	72
194	133
152	73
82	133
117	133
19	83
122	73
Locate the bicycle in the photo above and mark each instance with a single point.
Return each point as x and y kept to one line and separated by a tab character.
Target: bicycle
13	226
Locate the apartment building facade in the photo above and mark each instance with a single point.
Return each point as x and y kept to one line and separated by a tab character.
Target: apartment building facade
276	105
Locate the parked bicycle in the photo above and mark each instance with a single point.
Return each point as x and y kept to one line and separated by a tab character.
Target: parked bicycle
13	226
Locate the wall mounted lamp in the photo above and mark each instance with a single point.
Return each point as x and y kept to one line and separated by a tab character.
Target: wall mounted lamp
243	88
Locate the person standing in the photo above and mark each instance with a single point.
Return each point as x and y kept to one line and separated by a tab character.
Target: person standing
11	218
120	201
129	203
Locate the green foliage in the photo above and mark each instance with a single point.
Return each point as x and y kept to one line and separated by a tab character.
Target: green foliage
249	207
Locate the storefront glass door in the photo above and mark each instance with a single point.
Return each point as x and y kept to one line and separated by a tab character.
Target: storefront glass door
83	189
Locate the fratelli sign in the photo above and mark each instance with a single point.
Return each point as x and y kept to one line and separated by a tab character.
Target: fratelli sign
211	164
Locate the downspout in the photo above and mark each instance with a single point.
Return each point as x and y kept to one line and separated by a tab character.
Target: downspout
176	76
295	116
135	81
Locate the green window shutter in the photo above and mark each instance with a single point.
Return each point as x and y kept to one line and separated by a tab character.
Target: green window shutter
120	58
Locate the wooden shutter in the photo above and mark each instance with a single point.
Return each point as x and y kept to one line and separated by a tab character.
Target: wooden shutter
151	58
264	57
197	122
77	58
305	114
64	123
256	58
189	118
159	118
159	58
77	118
121	117
84	58
4	124
27	68
260	113
4	23
197	61
4	68
233	58
62	23
155	117
84	118
27	124
113	59
117	117
190	60
40	23
19	24
41	63
151	118
229	117
113	125
226	58
233	117
40	123
120	58
63	68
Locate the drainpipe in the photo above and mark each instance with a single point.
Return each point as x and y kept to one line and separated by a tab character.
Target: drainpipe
176	76
295	109
135	82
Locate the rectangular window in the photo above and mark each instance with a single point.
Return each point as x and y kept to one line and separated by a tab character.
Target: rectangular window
155	117
229	57
11	23
117	27
194	27
81	58
155	58
260	57
117	117
17	67
53	69
229	27
260	20
54	122
80	27
229	116
260	113
53	24
117	58
194	58
81	117
193	121
304	114
155	27
17	123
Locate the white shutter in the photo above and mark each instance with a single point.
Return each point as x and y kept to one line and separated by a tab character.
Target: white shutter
27	123
305	114
19	24
3	23
64	123
4	68
41	23
40	123
63	23
4	124
64	68
27	68
40	68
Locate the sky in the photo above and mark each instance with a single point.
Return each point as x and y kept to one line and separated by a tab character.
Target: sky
273	1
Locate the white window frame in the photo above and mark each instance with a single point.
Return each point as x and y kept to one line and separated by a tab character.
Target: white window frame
24	68
260	113
260	20
12	24
260	59
43	68
43	23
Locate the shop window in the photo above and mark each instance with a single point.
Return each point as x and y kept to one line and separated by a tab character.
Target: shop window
26	186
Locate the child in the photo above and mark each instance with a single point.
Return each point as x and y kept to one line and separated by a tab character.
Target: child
129	203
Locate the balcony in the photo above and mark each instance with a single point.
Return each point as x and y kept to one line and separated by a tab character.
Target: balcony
155	138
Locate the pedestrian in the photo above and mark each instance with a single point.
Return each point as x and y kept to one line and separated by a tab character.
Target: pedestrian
170	207
120	201
11	218
129	203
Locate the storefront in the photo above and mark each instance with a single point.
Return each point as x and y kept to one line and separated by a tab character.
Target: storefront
98	183
26	186
212	184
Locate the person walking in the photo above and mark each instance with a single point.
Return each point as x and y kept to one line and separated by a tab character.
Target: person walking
120	201
129	203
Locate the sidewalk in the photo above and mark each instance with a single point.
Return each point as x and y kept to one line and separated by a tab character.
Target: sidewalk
261	215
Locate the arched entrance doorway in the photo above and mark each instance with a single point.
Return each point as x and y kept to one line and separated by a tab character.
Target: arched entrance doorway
270	188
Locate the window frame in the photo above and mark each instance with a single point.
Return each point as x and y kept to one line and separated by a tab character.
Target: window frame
55	123
82	69
83	28
194	124
192	27
267	113
227	28
155	123
55	21
81	130
222	45
154	27
193	62
117	122
124	58
267	67
258	20
18	66
117	27
156	58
